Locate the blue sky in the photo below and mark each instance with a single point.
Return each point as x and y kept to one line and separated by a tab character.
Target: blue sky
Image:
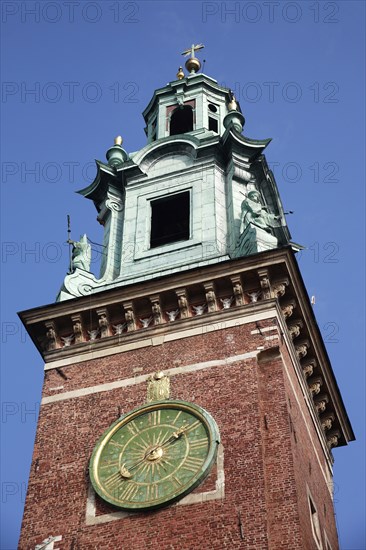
75	74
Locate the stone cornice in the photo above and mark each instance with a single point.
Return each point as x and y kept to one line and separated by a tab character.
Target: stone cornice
157	334
170	143
329	380
212	294
168	282
137	167
97	189
250	148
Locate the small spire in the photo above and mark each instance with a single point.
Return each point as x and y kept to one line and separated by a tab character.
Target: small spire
193	64
234	116
115	154
180	73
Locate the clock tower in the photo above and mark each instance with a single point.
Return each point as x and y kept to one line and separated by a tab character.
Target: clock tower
188	398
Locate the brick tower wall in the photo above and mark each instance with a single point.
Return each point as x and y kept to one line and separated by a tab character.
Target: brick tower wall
256	496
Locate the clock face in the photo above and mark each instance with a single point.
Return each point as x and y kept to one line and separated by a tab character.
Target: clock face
154	455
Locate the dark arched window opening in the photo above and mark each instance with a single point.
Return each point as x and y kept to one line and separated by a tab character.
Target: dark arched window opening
181	121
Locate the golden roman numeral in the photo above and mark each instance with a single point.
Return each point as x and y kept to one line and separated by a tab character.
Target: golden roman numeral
158	440
176	482
193	426
110	481
176	418
111	442
108	465
128	492
199	443
132	428
155	416
192	464
152	492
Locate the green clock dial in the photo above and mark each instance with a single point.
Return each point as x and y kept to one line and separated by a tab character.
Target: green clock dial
154	455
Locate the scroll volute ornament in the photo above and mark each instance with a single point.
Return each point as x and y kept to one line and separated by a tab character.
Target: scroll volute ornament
314	385
295	327
288	308
320	402
333	438
308	367
327	421
279	288
302	348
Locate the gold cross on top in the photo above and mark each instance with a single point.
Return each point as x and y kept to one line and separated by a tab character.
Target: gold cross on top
192	49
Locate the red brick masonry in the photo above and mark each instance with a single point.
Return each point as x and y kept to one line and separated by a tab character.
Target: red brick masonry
272	454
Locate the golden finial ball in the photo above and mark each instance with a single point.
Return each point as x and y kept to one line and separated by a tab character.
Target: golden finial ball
118	140
193	64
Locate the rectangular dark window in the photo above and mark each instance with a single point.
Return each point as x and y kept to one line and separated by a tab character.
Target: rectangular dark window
212	124
170	219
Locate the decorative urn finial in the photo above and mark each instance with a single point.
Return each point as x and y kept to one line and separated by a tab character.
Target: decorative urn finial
234	117
180	73
116	155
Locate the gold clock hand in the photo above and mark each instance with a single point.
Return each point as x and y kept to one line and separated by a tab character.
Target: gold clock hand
126	472
176	435
122	469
